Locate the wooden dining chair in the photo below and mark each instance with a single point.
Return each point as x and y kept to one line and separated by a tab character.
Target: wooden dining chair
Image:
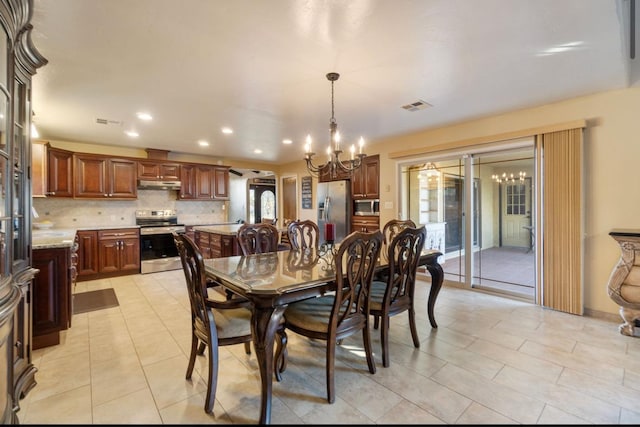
258	238
303	234
396	294
339	314
394	226
214	323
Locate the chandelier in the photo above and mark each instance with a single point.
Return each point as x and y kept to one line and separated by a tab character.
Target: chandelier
334	165
509	178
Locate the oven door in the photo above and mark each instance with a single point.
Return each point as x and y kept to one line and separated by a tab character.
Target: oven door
158	252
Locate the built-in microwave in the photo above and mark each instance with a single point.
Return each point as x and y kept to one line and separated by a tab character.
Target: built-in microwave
366	207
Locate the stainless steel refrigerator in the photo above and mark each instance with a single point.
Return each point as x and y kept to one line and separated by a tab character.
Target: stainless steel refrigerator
334	206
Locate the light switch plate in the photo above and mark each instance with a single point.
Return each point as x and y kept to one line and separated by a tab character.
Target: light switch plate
388	205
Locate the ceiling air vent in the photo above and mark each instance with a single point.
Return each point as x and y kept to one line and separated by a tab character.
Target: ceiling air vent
107	122
418	105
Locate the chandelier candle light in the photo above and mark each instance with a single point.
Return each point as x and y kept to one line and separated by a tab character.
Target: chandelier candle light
334	164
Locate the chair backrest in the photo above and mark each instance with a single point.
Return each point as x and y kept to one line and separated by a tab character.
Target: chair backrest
258	238
403	254
193	268
303	234
355	263
271	221
394	226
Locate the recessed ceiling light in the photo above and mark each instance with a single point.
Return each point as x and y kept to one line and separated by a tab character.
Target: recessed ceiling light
132	133
257	151
144	116
203	143
227	131
287	141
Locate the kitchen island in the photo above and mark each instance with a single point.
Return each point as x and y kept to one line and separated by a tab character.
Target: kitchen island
217	241
54	255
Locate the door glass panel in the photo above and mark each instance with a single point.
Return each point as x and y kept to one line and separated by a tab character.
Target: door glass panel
434	197
503	256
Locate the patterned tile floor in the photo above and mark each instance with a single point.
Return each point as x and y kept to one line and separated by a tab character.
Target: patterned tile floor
492	360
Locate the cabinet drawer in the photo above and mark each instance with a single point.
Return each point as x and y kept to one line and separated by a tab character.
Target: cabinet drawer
118	234
214	242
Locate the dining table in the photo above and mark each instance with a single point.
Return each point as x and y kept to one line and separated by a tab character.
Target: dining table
271	281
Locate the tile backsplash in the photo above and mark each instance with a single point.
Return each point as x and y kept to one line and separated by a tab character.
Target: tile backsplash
78	213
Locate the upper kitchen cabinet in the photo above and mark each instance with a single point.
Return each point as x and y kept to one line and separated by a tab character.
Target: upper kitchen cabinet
204	182
59	172
158	170
325	174
101	177
365	182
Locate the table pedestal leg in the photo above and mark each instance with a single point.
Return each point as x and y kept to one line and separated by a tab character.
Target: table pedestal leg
437	276
264	323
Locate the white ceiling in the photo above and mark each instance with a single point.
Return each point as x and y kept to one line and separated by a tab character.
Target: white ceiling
259	67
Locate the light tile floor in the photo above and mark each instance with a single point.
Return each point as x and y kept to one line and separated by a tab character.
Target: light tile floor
492	360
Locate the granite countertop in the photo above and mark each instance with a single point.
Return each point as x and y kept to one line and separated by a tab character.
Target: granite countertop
228	229
53	238
63	237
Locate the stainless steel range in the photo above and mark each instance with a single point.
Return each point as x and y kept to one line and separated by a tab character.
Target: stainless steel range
158	251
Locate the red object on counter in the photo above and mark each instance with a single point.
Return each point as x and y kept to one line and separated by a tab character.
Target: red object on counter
329	232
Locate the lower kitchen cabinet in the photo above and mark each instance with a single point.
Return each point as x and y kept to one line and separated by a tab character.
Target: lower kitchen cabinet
215	245
52	295
119	251
367	224
108	253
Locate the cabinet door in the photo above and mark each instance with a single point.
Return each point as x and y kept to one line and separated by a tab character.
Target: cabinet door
51	288
122	179
90	176
87	253
365	180
220	183
188	182
157	170
371	177
129	255
108	255
59	173
204	182
170	171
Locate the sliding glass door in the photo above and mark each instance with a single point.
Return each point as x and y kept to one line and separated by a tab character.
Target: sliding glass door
498	229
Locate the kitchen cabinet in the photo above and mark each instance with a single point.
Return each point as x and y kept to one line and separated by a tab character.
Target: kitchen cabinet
158	170
325	174
87	264
367	224
52	293
365	182
216	245
101	177
59	173
107	253
189	231
118	251
204	182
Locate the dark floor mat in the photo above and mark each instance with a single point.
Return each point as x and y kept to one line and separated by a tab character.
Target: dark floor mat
94	300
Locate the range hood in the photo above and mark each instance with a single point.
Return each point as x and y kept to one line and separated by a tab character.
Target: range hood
159	185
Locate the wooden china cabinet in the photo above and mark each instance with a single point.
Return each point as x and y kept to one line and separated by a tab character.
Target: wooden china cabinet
19	61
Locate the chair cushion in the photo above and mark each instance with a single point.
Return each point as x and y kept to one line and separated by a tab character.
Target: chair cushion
377	295
312	314
232	322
